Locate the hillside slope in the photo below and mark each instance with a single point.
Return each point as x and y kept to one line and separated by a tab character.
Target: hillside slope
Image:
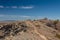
28	30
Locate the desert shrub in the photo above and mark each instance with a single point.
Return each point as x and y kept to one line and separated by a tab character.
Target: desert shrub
12	29
1	37
34	20
49	24
9	30
57	35
45	18
56	21
24	28
6	29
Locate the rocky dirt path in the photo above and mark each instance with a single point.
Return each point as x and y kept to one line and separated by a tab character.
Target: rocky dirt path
35	30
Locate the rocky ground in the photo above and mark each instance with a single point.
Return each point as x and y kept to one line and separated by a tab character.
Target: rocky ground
30	30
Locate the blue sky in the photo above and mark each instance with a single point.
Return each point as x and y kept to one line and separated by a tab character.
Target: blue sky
29	9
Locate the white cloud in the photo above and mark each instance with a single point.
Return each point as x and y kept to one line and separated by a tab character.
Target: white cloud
15	16
21	7
25	16
1	6
27	7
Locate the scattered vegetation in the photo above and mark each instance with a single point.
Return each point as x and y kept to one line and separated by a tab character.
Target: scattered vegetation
49	24
12	29
45	18
24	28
55	22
